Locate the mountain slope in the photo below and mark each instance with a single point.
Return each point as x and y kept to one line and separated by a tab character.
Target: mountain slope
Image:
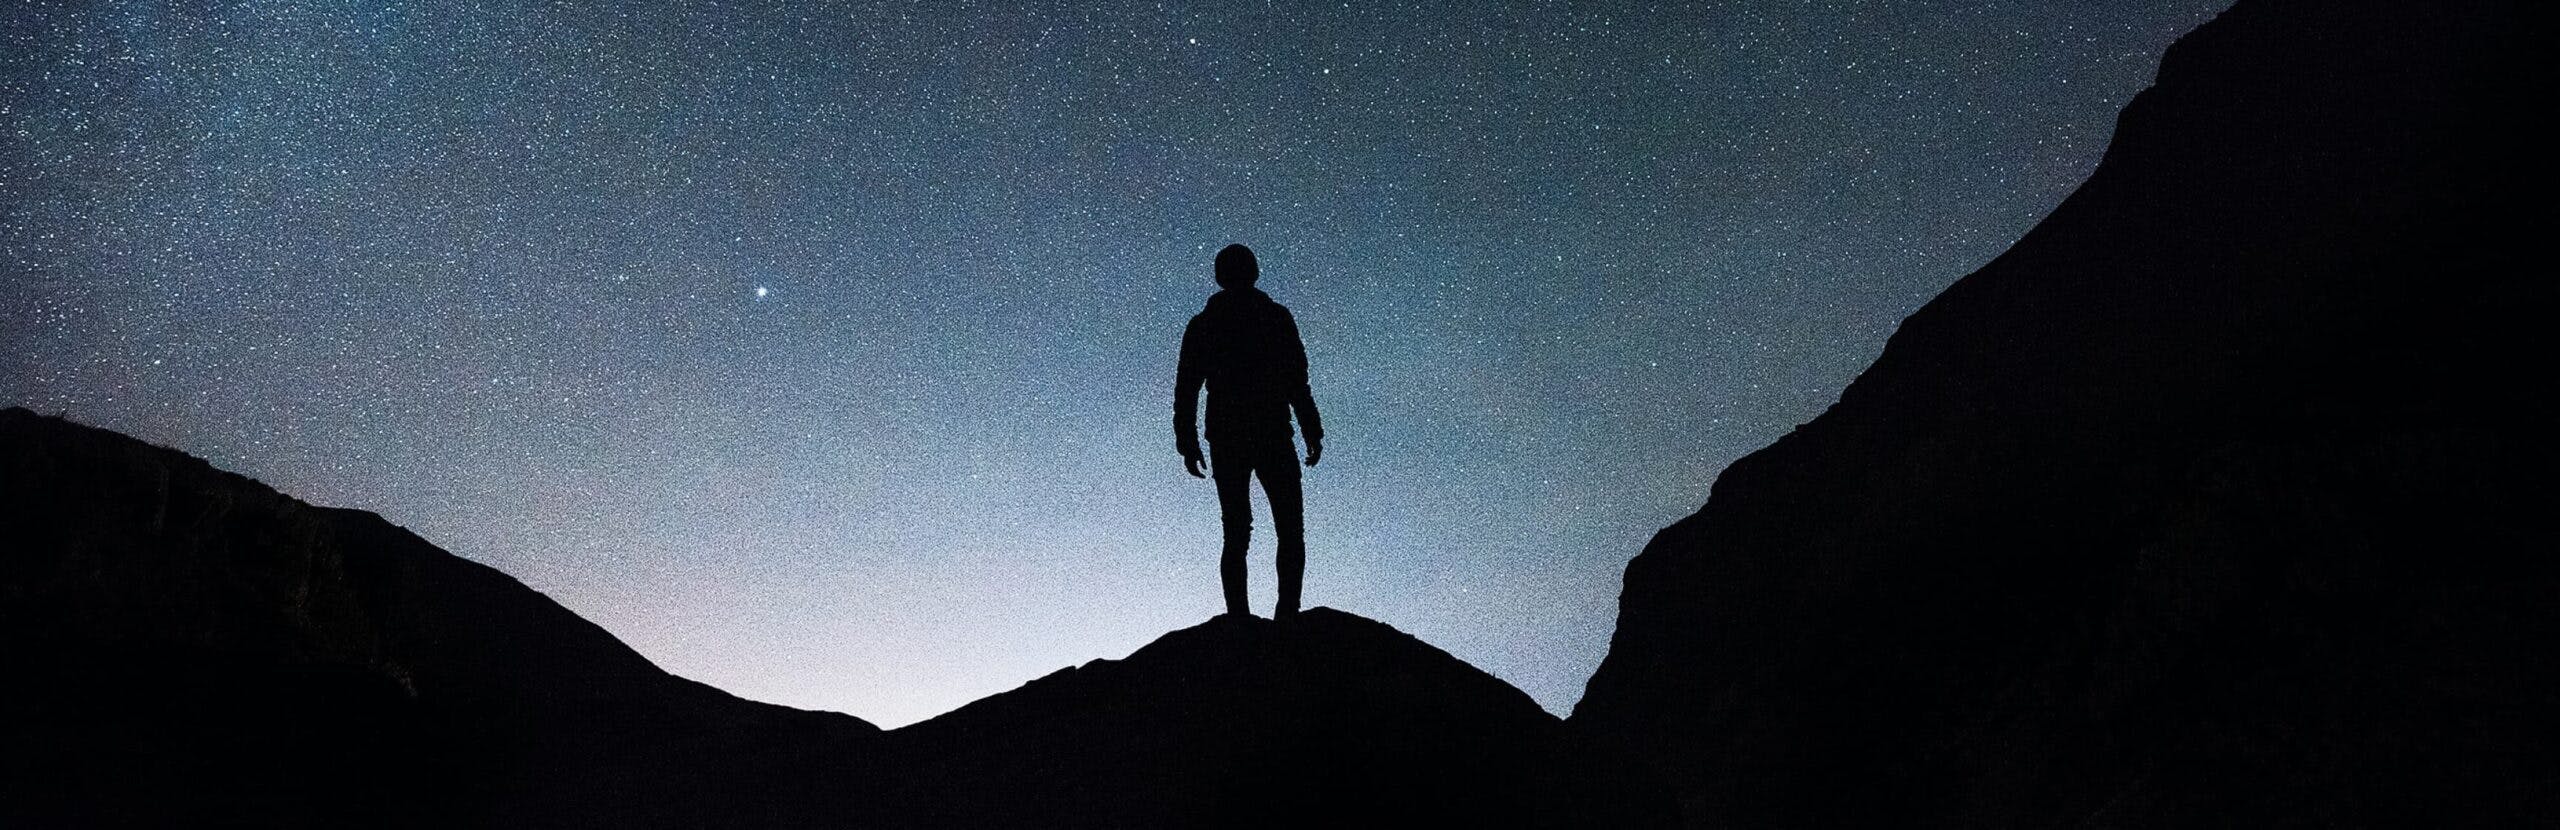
189	647
2219	498
1329	719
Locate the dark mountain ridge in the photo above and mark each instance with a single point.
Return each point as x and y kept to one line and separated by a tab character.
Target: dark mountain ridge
2221	498
195	649
190	647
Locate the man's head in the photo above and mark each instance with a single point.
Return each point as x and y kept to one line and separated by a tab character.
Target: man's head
1236	267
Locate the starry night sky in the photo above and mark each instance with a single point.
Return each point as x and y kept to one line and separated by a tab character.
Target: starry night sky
825	354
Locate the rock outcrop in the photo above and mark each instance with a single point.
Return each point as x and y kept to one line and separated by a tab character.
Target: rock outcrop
2223	498
1326	720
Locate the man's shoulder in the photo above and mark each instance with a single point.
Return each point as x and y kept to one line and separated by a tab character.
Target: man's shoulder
1277	315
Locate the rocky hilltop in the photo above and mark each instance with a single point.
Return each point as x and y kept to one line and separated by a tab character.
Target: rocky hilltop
2223	498
1326	720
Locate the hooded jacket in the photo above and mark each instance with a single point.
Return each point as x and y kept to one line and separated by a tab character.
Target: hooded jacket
1244	347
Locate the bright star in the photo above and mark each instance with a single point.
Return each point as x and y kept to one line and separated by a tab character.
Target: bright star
761	291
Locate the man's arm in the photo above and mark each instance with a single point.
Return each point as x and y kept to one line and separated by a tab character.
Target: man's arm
1302	398
1186	400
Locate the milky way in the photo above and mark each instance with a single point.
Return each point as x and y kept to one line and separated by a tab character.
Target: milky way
825	354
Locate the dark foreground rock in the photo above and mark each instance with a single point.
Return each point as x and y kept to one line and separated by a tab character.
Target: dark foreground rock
1326	720
2224	498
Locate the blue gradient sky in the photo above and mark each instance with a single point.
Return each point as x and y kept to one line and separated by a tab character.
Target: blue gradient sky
823	352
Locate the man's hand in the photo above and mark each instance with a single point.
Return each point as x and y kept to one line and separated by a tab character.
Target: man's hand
1192	464
1315	450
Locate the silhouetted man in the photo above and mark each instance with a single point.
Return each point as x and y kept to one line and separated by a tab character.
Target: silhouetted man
1245	348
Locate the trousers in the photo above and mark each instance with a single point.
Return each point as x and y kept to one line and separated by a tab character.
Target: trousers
1234	465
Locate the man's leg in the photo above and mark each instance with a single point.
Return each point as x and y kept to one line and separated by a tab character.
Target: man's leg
1234	477
1288	520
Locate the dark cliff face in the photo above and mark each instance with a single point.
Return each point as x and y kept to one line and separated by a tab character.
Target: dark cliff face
1326	720
188	647
2223	496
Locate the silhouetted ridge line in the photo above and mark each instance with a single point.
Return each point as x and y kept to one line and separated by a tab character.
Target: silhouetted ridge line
191	647
2219	499
1324	719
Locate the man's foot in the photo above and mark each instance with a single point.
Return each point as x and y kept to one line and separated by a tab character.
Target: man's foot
1284	613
